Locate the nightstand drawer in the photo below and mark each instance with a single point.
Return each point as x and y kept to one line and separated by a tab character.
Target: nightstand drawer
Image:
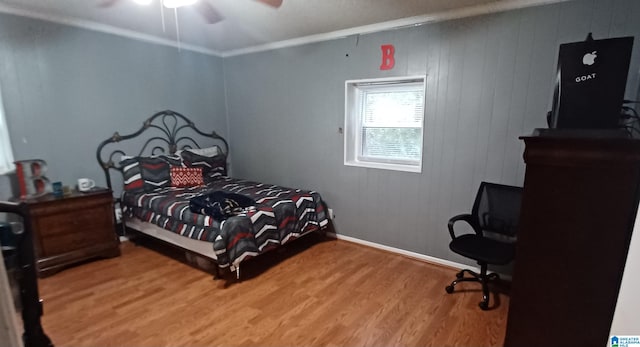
70	205
72	229
85	237
74	222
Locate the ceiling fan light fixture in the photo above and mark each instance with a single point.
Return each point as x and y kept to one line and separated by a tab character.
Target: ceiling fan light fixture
177	3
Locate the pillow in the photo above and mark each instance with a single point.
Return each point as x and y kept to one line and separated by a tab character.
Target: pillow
186	176
147	173
212	166
155	172
174	159
206	152
132	175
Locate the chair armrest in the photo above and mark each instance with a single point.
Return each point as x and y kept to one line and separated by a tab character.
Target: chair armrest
462	217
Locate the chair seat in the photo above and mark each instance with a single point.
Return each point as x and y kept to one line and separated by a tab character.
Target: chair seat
483	249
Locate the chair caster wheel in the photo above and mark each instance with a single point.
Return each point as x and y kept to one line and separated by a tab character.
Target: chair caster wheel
449	289
459	275
484	305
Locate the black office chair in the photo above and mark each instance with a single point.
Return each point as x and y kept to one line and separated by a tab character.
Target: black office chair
494	218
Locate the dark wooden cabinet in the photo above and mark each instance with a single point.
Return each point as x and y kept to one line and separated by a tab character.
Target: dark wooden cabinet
579	205
72	229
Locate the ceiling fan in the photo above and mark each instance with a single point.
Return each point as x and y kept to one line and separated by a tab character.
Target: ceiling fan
206	10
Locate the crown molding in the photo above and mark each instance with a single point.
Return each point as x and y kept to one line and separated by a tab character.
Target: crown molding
104	28
471	11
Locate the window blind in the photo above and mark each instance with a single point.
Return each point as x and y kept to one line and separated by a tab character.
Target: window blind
392	122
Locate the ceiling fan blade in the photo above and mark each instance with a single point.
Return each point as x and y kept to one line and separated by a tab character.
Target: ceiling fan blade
210	14
108	3
272	3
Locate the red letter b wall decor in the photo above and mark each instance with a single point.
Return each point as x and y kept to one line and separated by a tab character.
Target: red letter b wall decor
388	61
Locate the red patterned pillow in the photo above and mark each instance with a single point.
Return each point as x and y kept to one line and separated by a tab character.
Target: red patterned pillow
186	176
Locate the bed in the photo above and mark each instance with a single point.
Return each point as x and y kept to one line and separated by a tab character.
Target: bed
176	190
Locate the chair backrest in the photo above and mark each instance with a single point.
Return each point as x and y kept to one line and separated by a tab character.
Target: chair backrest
497	208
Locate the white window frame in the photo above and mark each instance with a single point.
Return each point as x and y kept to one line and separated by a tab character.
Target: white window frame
6	153
353	123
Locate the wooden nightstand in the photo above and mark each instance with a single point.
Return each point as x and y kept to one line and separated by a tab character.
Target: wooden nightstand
71	229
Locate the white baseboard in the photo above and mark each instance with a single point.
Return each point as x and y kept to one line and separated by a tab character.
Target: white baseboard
406	253
414	255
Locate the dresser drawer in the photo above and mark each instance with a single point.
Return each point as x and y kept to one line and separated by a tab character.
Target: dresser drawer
86	237
70	205
72	229
73	222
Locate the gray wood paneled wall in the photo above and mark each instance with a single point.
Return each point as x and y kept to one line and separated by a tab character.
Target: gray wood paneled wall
489	80
66	89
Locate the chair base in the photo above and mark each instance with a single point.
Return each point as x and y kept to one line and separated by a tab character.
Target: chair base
481	277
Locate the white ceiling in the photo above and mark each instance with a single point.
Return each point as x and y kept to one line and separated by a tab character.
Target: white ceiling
250	25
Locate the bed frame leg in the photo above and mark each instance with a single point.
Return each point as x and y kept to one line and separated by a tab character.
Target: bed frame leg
124	227
216	275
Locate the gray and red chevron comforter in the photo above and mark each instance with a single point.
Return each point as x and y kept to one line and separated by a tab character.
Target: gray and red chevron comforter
280	215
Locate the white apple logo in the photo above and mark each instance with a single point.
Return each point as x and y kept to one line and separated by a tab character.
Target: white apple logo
589	58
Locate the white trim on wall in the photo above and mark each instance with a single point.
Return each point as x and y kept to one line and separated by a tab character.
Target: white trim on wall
414	255
492	7
406	253
107	29
471	11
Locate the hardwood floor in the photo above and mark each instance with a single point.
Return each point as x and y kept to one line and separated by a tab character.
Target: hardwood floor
316	293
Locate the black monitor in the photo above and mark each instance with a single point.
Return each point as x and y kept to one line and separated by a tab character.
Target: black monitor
592	77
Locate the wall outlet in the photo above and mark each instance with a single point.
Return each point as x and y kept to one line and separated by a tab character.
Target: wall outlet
331	215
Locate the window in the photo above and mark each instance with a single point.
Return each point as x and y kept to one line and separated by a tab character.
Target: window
384	123
6	155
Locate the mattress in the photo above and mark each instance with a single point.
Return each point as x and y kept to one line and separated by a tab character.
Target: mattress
280	215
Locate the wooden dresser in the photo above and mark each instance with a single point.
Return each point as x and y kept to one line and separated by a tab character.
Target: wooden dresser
71	229
578	208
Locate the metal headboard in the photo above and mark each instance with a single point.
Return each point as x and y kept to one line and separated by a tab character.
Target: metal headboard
172	127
